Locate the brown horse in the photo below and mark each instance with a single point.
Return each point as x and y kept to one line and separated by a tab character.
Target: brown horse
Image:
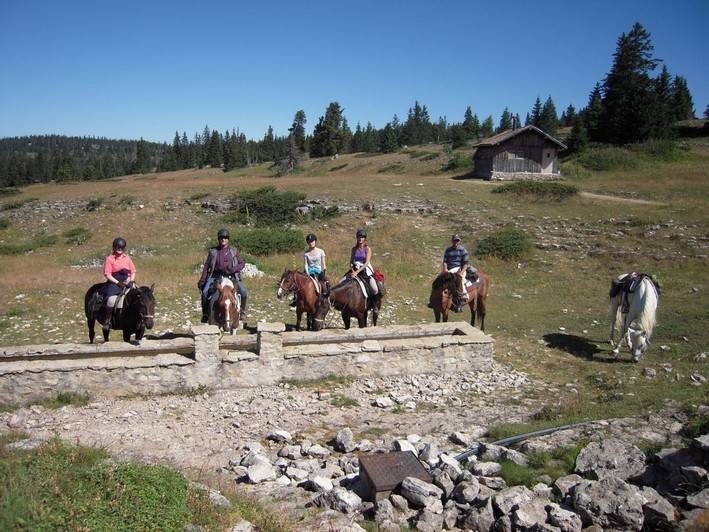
224	306
348	298
444	288
307	297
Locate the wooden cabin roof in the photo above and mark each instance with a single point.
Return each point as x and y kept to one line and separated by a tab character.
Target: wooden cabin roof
506	135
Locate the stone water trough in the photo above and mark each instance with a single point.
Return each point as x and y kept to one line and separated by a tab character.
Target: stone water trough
205	358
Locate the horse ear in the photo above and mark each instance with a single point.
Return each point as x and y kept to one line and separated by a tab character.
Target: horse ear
152	287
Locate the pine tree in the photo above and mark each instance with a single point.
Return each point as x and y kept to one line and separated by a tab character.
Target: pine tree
548	119
536	115
628	95
389	139
568	117
578	139
662	118
328	133
299	122
471	124
706	112
592	114
487	128
505	121
142	159
681	104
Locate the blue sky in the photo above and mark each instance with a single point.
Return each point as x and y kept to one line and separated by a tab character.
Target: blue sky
147	69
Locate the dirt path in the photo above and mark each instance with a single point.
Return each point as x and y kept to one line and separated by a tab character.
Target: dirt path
605	197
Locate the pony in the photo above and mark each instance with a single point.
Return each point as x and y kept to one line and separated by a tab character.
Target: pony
134	317
634	298
225	305
307	297
447	284
349	299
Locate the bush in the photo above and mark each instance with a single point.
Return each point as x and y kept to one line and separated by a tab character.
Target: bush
9	191
663	150
268	241
608	158
19	248
395	168
458	162
4	223
16	204
93	204
507	244
538	189
265	207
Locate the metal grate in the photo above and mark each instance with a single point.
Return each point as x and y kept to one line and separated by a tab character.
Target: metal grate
383	472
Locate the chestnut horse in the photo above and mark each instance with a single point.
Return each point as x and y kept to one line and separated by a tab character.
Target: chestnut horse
225	305
446	285
307	297
349	299
135	316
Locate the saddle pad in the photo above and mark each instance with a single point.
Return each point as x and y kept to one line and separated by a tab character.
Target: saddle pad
362	287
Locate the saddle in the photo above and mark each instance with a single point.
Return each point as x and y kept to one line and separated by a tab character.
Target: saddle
627	285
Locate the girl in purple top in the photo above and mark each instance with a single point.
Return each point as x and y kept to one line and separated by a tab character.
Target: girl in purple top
360	261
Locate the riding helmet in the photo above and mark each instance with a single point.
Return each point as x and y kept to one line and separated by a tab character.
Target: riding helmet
310	238
119	243
361	232
223	232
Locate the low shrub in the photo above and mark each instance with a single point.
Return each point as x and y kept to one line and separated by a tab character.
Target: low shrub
265	207
339	167
603	159
459	161
78	236
507	244
9	191
4	223
395	168
553	190
16	204
663	150
267	241
19	248
93	204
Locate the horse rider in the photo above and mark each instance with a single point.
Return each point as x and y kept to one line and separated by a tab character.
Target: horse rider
457	260
119	270
314	264
222	260
360	262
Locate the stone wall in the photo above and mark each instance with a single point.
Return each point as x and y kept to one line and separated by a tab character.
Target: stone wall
205	358
523	176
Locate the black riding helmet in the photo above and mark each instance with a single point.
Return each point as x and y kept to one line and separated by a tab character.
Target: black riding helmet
223	232
310	238
361	232
119	243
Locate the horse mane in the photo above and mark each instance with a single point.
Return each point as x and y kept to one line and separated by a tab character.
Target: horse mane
443	280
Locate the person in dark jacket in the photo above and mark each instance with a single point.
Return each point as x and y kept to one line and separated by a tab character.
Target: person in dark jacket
223	260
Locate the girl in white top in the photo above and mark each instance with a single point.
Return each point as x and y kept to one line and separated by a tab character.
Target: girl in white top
314	258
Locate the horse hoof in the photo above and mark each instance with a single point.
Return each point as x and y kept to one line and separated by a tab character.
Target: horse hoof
616	354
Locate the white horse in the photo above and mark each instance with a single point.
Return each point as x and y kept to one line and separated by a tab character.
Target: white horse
633	314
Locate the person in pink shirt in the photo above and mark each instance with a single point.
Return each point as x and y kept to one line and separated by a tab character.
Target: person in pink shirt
119	270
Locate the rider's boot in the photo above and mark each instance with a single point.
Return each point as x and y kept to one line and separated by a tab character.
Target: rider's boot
205	310
243	315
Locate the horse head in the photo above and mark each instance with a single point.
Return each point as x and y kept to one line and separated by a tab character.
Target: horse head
287	284
226	311
322	308
145	303
638	341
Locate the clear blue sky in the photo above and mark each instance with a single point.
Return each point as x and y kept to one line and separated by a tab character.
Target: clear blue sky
146	69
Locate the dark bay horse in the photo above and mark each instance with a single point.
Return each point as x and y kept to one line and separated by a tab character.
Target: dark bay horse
349	299
225	306
307	297
444	289
135	316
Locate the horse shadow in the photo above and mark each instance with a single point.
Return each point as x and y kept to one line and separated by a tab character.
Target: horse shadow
581	347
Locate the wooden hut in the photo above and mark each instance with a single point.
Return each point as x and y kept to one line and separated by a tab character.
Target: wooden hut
524	153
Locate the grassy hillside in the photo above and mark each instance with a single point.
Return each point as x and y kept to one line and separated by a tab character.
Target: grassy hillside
548	311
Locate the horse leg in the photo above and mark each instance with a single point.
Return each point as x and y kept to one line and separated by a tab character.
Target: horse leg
614	320
480	305
91	322
346	318
298	316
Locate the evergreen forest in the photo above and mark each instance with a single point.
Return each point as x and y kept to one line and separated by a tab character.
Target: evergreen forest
639	99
